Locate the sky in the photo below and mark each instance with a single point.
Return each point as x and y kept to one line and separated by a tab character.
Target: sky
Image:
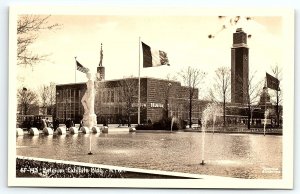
183	38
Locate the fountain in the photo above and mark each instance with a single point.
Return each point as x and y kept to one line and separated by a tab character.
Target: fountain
214	116
73	130
210	113
61	131
267	112
172	122
205	118
20	132
88	101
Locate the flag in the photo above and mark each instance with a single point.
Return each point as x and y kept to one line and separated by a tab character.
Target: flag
272	82
153	58
81	67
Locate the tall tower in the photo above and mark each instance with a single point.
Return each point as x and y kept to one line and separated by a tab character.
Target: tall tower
239	67
100	68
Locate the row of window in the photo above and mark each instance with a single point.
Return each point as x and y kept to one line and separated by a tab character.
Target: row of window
108	96
69	105
115	95
69	95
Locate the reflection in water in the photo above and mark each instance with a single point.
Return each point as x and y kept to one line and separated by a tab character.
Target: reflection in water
74	136
34	139
20	138
49	139
61	138
226	162
97	134
240	146
227	155
104	134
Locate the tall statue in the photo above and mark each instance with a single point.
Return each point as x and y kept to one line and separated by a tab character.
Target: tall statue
101	56
88	101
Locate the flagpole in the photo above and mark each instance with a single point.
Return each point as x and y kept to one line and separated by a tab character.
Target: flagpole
265	112
139	87
75	69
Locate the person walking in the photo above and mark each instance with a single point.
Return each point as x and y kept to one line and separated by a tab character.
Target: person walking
56	124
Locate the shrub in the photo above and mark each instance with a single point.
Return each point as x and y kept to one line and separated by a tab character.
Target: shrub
144	127
163	124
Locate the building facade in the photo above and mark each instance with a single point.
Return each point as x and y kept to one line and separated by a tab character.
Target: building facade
116	101
68	101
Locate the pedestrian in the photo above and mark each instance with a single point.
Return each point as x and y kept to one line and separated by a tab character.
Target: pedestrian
81	124
199	123
47	122
120	123
56	124
68	123
72	123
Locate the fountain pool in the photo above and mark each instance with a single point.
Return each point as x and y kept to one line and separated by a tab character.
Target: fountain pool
228	155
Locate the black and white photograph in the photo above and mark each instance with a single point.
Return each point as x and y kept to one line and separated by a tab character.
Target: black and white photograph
151	97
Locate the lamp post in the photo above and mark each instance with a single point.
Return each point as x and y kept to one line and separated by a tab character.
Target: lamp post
24	90
167	99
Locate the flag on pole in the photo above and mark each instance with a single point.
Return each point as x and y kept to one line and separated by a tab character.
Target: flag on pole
153	58
272	82
81	67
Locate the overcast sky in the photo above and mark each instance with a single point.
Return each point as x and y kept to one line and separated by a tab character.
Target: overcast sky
184	39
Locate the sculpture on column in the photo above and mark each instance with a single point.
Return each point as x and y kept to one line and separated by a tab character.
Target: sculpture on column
88	100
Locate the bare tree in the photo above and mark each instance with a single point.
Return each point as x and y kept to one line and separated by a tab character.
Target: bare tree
192	77
221	88
167	88
129	94
252	96
278	99
52	98
48	98
28	29
44	96
27	100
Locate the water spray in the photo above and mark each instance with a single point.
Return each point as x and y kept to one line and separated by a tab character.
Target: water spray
90	153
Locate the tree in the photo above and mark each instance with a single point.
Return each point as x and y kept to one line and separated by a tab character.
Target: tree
192	77
52	98
27	101
44	94
278	99
28	29
221	90
129	92
252	96
48	98
167	88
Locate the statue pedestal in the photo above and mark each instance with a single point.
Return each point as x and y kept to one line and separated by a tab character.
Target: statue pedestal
89	120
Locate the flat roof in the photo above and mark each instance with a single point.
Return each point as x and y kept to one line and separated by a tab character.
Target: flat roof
69	84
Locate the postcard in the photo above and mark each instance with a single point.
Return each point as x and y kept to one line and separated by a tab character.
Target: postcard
151	97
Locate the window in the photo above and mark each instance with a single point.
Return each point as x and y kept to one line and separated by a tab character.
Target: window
108	96
103	96
112	96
